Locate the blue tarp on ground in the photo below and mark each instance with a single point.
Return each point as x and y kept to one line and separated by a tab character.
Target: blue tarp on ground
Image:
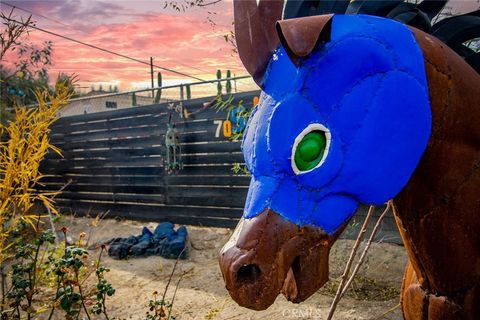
165	241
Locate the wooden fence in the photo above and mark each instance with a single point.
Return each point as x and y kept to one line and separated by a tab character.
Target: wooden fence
114	162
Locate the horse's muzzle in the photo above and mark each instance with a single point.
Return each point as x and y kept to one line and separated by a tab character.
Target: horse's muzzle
267	255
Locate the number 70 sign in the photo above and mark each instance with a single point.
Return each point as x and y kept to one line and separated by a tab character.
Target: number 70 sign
226	125
235	122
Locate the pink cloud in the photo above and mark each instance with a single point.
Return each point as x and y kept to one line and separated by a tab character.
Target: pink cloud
183	42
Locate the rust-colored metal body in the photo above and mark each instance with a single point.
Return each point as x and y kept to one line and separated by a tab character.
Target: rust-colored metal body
438	211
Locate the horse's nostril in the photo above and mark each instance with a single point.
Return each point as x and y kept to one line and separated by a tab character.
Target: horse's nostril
296	266
248	273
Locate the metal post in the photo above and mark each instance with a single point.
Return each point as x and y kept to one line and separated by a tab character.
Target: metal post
235	82
151	75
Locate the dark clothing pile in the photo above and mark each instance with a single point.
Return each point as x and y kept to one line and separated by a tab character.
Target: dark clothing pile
164	241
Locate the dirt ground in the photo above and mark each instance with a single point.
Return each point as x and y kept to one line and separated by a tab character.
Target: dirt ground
202	295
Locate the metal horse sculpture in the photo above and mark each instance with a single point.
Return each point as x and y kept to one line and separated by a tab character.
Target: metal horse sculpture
359	109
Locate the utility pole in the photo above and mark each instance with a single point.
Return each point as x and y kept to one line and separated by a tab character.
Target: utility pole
151	76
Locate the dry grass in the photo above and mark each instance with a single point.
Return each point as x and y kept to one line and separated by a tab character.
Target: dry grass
363	288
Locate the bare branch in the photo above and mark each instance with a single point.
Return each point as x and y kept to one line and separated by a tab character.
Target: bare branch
350	262
13	31
367	247
343	287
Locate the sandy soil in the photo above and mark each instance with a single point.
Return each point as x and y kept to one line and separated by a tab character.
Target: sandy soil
202	295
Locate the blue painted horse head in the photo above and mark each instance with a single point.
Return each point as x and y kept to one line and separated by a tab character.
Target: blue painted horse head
344	119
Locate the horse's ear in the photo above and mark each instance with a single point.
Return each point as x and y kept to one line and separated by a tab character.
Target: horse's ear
255	33
300	36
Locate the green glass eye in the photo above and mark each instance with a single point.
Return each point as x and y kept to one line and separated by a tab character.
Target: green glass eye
310	150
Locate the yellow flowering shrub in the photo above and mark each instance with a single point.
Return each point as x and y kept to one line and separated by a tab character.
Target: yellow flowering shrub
24	142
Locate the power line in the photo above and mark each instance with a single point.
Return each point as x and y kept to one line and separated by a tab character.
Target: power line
34	13
108	51
66	25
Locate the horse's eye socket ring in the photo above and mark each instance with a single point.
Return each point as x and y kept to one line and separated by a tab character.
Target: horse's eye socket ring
310	148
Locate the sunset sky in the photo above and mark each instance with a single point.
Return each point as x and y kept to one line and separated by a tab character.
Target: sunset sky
186	42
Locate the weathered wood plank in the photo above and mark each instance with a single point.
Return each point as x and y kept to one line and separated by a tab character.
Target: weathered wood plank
107	162
206	135
133	209
145	131
130	171
213	158
107	180
206	192
233	201
119	159
153	215
133	142
219	180
138	189
113	197
56	168
173	180
150	142
117	152
105	124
